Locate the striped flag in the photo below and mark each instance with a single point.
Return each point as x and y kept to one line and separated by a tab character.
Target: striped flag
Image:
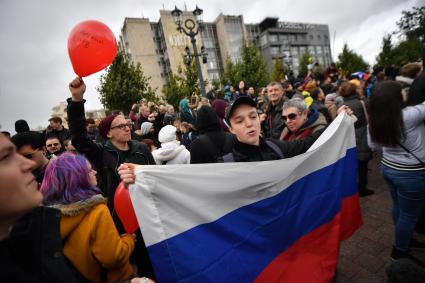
271	221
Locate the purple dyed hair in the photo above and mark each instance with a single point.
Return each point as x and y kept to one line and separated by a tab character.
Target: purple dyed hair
66	180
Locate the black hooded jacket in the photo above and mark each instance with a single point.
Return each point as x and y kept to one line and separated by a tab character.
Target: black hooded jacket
33	251
106	159
417	91
212	142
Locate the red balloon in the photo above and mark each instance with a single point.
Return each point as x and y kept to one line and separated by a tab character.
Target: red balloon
91	47
124	209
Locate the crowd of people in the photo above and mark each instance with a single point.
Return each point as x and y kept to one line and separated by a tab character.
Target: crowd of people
58	221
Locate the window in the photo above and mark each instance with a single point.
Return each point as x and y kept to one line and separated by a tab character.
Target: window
273	37
326	48
274	50
263	40
319	50
311	50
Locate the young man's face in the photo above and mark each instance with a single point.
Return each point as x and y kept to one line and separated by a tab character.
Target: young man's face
91	128
120	130
245	124
18	188
36	155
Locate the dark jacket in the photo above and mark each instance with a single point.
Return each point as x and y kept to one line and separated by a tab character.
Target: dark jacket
208	147
212	142
243	152
417	91
105	158
273	125
360	126
321	107
219	106
33	251
187	116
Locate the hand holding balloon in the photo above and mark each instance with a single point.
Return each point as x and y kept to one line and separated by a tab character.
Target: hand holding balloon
126	172
124	209
77	88
91	47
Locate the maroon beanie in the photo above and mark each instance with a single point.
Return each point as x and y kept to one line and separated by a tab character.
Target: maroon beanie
105	125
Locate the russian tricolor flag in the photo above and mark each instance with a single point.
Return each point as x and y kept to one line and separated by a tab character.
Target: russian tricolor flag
272	221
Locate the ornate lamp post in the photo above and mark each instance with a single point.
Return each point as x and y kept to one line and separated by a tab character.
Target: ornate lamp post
191	29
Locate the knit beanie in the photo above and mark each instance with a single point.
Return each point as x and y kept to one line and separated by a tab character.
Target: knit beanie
145	128
105	125
167	134
21	126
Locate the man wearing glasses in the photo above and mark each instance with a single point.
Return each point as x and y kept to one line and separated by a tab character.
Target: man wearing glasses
106	158
31	146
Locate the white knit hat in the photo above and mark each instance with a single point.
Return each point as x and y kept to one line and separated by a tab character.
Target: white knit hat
167	134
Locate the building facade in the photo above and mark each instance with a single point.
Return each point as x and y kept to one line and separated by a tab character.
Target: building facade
159	47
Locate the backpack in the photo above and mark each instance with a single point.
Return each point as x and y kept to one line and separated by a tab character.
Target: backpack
230	158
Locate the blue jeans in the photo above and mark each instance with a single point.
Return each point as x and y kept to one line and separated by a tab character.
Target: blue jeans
408	194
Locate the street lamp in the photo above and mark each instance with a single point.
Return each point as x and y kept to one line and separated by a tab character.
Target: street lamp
191	29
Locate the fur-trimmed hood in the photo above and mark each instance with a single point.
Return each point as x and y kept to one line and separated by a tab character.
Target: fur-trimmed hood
74	213
75	208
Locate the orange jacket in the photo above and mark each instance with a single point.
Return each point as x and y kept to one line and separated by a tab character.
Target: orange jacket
92	242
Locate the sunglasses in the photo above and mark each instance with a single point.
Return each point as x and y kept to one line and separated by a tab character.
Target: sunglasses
122	126
29	155
291	116
52	144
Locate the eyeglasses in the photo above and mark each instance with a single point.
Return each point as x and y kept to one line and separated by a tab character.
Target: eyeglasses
122	126
29	155
52	144
291	116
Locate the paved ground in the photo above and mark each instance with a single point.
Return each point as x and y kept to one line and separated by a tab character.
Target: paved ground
363	257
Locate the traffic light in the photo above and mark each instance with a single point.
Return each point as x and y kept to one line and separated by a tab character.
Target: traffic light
204	55
187	57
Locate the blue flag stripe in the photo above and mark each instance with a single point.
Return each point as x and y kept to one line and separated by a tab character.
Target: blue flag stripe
250	237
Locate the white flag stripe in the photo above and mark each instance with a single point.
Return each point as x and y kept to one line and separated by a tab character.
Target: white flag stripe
191	195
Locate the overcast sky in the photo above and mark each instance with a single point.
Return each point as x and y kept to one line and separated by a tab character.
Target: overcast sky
35	69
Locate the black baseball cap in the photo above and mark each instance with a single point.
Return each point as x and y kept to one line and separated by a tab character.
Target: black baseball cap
239	101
